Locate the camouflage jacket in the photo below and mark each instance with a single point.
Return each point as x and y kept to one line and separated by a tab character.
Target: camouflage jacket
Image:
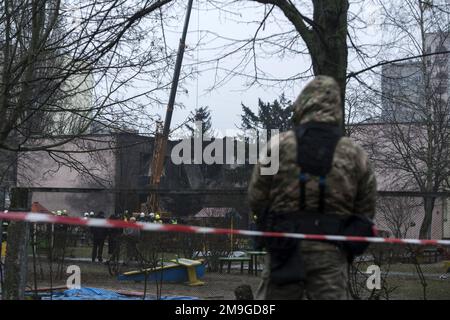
350	185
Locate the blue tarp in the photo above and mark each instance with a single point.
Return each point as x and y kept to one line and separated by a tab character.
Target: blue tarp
102	294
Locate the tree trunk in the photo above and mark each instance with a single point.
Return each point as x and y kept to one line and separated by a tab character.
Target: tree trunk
329	52
325	37
16	250
425	228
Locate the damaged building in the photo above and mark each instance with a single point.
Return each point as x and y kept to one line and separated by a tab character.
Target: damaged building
110	172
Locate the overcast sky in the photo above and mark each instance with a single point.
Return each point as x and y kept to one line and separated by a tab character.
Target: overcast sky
225	101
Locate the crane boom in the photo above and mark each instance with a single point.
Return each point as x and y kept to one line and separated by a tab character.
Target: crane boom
161	138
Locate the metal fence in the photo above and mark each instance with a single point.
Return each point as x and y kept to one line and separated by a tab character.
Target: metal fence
153	265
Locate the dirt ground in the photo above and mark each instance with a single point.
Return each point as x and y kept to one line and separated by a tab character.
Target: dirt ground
217	286
220	286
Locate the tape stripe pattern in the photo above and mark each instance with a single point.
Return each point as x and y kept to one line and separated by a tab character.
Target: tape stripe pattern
147	226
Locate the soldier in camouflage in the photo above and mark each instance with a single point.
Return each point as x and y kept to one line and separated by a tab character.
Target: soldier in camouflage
350	189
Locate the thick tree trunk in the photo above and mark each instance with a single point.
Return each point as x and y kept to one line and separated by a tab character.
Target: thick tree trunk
325	36
329	52
16	250
425	228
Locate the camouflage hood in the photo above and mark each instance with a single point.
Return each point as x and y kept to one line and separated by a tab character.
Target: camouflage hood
319	101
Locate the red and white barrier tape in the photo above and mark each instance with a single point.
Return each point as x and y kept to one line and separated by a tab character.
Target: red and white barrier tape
107	223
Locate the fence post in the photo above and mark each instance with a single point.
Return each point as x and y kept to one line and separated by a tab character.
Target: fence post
16	264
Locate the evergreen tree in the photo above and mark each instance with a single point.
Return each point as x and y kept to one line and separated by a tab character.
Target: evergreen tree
271	115
202	114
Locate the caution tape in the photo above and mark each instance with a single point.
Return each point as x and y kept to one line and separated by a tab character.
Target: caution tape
147	226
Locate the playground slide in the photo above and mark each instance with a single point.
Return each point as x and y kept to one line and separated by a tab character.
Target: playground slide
175	271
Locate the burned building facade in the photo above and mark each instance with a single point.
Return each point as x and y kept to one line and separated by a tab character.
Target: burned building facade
111	172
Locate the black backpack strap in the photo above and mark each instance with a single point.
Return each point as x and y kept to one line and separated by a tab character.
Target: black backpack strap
322	185
303	178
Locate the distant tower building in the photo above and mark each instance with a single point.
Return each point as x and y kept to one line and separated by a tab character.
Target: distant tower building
411	88
400	85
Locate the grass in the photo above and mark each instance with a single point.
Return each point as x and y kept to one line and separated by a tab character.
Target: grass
411	289
438	267
221	286
407	287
